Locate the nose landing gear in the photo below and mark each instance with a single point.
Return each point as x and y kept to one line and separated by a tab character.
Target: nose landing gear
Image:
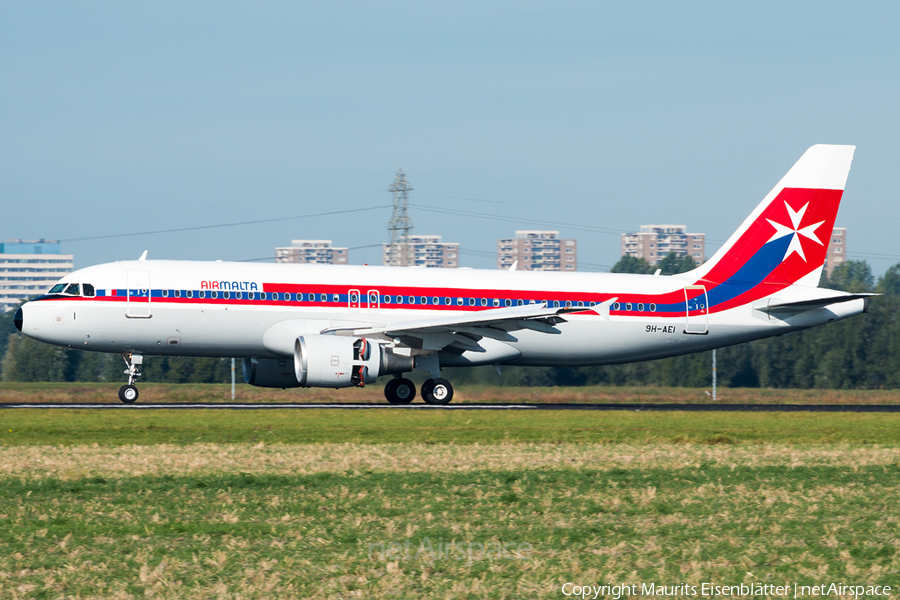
129	393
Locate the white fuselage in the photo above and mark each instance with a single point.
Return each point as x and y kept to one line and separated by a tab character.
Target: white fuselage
240	310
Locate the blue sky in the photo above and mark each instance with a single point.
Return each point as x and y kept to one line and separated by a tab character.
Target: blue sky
592	118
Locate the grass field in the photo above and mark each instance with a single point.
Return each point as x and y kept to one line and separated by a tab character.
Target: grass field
309	426
186	392
439	504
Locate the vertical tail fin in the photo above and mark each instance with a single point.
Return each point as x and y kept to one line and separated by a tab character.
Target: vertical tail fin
785	239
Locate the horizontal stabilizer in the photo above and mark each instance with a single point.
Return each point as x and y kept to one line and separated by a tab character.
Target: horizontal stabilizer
801	305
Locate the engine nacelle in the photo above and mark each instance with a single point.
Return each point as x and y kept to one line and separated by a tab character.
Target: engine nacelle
270	372
338	361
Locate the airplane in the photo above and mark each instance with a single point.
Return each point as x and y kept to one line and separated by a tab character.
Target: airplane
296	325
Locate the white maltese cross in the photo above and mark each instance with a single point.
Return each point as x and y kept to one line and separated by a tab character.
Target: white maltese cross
795	231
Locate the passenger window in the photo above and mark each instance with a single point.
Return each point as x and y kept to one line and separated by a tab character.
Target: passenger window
448	301
251	296
496	301
424	300
190	294
580	303
459	301
165	293
641	307
652	308
411	300
226	295
335	298
435	300
213	295
628	306
387	299
508	302
178	293
484	301
74	289
616	306
471	301
519	302
568	304
88	290
556	304
323	298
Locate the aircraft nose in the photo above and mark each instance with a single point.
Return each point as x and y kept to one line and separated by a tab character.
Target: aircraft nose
17	319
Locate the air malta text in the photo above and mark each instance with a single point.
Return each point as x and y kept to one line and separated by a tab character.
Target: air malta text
236	286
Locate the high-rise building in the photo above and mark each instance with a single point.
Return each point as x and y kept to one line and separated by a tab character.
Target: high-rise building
837	249
424	251
538	251
29	268
654	242
312	251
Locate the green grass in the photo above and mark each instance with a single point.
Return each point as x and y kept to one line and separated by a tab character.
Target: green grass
116	427
390	503
515	534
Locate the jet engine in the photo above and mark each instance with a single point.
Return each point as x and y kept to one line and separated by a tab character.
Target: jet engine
338	361
270	372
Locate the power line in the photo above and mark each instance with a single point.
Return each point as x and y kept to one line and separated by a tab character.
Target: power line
542	222
538	187
237	224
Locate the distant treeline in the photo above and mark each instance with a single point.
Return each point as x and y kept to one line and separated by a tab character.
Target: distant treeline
862	352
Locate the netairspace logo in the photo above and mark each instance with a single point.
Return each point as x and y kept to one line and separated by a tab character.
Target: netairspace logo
794	590
469	552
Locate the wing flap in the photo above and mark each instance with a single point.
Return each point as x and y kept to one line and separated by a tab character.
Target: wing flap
459	330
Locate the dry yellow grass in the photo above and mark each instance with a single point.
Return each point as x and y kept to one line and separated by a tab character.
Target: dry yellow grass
63	393
78	461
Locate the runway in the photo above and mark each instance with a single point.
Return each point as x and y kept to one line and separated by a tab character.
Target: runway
859	408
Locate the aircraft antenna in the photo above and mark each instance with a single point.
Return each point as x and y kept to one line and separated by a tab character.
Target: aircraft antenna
401	224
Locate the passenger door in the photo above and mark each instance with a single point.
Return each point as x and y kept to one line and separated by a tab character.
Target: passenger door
137	305
696	308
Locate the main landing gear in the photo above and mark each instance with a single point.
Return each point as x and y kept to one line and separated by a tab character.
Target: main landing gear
403	391
129	393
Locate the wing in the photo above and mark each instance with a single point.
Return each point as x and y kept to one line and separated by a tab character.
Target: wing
464	331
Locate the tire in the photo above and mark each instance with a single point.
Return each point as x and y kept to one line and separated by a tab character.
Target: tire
437	391
128	394
400	391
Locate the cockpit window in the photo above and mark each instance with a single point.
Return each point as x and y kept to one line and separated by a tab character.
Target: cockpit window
57	289
74	289
88	290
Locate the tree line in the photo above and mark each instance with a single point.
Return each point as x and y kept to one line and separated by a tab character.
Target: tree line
862	352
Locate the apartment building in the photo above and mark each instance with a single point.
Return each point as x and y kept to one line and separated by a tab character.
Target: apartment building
29	268
538	250
654	242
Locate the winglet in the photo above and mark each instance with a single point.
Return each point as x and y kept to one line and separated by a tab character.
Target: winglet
144	255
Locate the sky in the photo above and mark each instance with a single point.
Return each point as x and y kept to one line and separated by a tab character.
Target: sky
220	130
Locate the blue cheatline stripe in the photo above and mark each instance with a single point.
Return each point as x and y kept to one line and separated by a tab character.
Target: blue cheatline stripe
750	275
